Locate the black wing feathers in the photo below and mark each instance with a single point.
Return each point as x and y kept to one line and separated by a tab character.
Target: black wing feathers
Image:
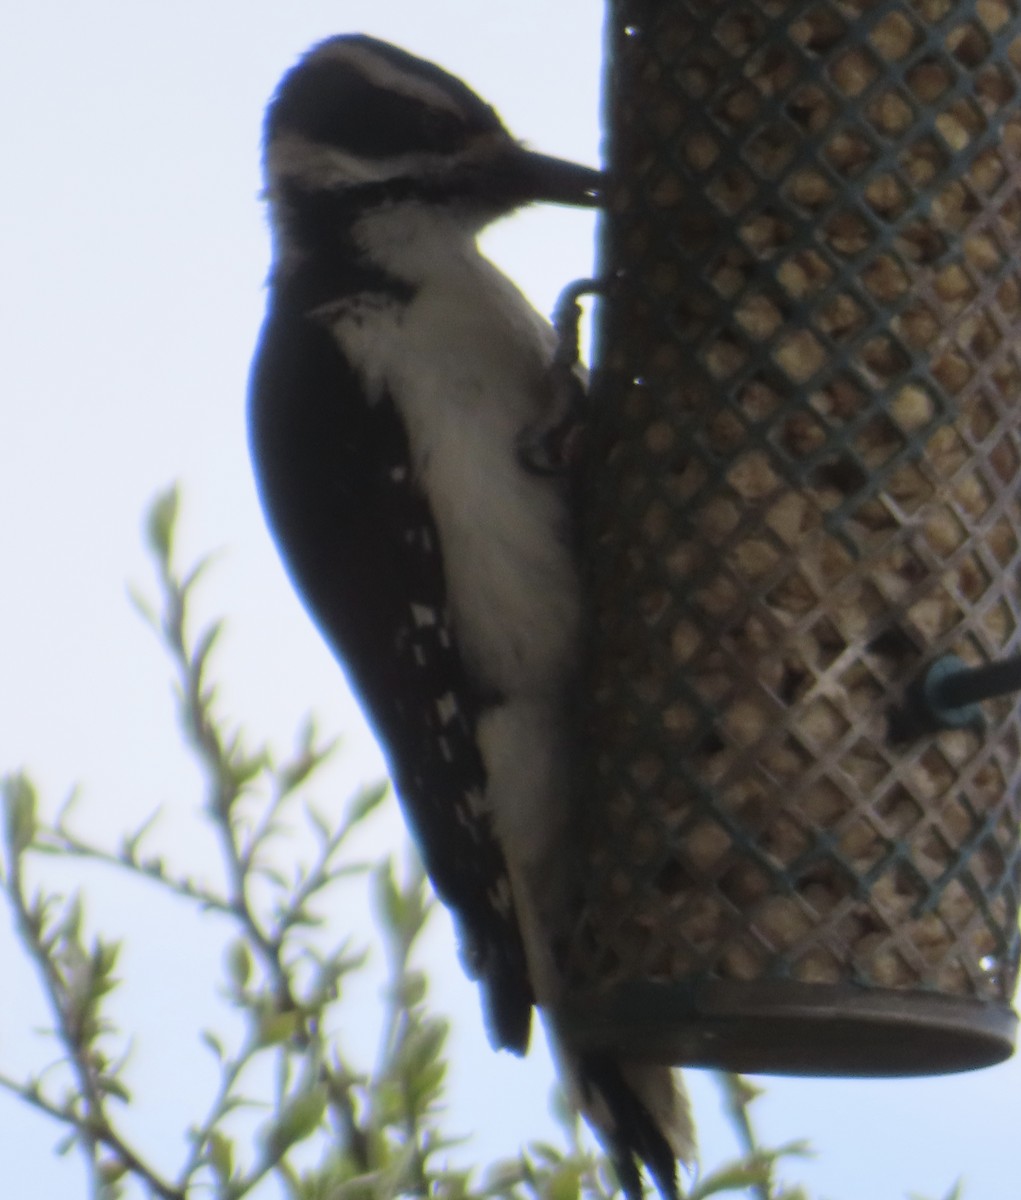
361	547
637	1136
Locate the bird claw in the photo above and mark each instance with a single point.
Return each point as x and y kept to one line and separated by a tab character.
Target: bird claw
552	445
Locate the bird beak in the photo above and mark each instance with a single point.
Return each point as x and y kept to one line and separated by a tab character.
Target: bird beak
541	177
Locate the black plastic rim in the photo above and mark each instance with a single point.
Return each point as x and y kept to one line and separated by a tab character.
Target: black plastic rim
794	1029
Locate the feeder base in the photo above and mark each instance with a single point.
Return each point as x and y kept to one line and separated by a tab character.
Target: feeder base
793	1029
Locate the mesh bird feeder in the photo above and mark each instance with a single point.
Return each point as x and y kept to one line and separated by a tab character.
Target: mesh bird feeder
805	490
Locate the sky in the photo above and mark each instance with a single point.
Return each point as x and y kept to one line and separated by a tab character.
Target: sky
134	249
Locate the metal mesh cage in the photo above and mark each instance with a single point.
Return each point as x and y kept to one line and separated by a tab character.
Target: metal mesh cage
806	464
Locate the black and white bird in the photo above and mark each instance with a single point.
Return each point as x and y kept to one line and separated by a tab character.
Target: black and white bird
406	429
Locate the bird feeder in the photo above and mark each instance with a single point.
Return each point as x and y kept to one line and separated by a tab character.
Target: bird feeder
805	471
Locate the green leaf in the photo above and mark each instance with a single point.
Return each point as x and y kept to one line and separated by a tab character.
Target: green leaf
160	523
424	1045
112	1086
504	1174
298	1120
70	923
104	957
191	578
955	1193
308	758
19	801
144	609
733	1177
220	1154
239	964
131	842
204	647
413	988
213	1042
427	1086
389	900
331	970
741	1091
110	1170
66	1144
564	1183
277	1027
366	802
546	1153
322	825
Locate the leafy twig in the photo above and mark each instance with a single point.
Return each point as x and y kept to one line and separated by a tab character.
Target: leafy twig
74	980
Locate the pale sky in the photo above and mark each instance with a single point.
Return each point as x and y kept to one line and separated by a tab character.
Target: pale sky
134	251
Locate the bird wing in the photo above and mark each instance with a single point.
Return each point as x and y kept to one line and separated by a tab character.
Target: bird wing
361	546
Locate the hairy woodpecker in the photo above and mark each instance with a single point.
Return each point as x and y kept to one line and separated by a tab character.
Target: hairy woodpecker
406	432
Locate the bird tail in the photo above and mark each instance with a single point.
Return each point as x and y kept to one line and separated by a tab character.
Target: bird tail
639	1111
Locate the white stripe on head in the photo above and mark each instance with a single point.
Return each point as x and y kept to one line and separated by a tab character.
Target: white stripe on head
382	73
292	156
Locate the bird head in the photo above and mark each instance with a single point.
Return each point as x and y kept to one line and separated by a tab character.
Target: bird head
359	125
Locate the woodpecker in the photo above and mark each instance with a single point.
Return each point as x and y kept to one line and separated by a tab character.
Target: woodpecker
407	435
